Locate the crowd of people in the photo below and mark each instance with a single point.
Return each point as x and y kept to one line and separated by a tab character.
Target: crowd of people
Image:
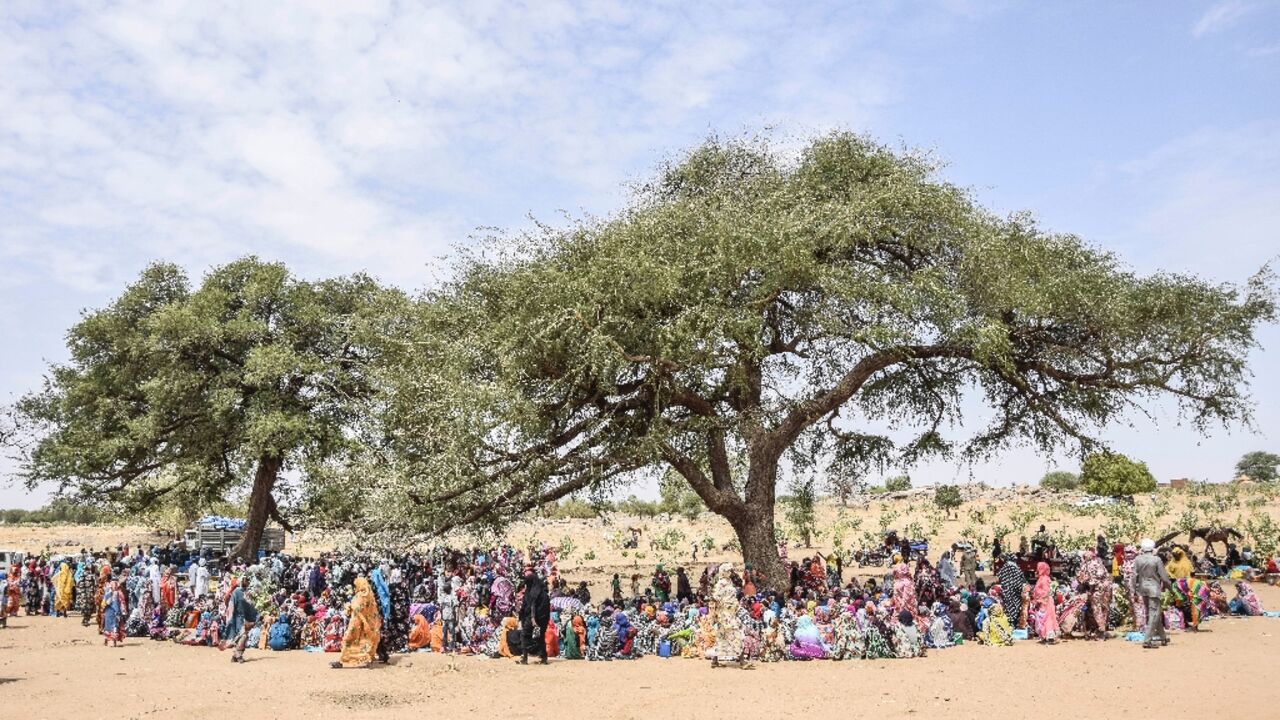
505	602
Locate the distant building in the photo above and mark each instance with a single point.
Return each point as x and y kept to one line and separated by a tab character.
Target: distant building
1176	483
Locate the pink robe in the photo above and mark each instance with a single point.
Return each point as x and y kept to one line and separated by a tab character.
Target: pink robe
1042	597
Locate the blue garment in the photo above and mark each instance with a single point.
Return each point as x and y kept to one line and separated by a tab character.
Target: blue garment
280	634
382	591
242	611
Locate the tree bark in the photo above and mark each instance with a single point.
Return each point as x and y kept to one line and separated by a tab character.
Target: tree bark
759	547
264	482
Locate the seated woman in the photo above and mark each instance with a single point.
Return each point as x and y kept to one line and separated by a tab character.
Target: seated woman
807	644
996	630
1246	601
420	633
280	635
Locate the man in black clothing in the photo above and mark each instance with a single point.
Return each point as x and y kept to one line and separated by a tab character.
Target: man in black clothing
535	615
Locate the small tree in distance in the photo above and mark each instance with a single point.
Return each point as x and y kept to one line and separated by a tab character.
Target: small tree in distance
947	497
1060	480
898	483
1114	475
801	509
1259	465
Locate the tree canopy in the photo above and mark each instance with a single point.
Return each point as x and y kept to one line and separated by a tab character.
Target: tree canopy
1114	475
749	304
175	392
1259	465
1059	480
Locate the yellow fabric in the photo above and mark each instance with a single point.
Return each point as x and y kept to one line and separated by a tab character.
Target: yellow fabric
508	624
1179	565
364	627
996	631
420	635
64	582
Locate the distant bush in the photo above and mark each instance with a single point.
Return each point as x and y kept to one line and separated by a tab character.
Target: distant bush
641	508
573	509
898	483
1060	480
59	511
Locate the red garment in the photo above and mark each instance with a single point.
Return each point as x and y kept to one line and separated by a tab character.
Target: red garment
552	637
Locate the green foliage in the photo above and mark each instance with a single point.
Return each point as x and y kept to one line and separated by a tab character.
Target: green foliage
58	511
947	497
179	394
1259	465
1022	516
566	548
801	506
897	483
573	508
1263	533
1059	480
639	508
671	541
1113	475
677	498
1122	523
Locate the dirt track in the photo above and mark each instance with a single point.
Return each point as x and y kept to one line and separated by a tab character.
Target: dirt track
63	671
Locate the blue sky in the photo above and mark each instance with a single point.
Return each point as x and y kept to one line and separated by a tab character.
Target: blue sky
377	136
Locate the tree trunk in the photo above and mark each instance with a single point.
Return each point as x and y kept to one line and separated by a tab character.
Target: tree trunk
264	482
754	529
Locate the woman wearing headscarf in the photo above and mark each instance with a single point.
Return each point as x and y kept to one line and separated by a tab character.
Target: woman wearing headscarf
1179	565
1246	600
996	630
113	606
64	586
941	628
1011	585
1191	597
364	628
86	592
904	589
1137	601
1094	577
724	618
1042	600
396	629
947	570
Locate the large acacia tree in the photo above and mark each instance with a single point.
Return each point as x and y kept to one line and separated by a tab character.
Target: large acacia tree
178	392
748	315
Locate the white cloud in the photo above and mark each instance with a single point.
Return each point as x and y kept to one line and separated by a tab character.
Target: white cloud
1220	16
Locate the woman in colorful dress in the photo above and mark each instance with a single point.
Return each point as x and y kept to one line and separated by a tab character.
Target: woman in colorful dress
1094	576
364	628
724	618
112	614
904	589
64	586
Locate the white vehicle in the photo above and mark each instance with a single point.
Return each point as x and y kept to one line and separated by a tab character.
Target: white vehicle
1095	501
11	557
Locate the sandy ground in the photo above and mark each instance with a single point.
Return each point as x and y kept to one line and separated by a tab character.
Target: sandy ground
54	668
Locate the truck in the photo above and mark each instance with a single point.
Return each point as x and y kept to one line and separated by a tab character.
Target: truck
215	537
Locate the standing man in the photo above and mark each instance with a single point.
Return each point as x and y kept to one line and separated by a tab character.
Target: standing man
199	579
969	567
535	614
1150	579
